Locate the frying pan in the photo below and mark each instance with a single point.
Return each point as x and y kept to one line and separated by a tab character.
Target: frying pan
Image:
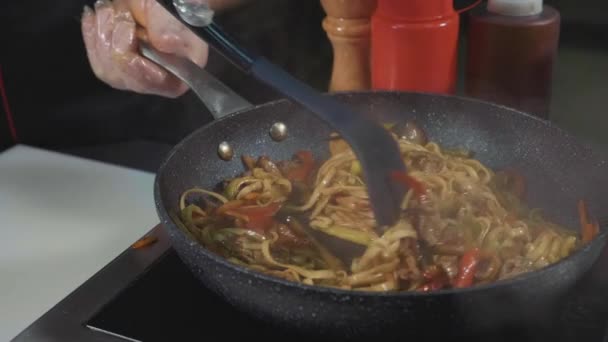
558	167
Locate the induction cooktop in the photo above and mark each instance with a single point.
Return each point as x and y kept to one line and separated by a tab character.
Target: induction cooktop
148	294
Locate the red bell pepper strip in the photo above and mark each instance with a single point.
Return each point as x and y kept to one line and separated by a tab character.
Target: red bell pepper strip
144	242
304	169
436	278
467	268
409	181
589	228
259	218
229	206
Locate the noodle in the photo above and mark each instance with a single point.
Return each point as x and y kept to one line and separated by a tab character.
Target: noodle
466	216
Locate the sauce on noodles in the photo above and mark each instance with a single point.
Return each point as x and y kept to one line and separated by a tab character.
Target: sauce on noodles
461	224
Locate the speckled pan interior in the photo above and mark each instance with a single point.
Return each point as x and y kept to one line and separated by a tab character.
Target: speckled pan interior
559	170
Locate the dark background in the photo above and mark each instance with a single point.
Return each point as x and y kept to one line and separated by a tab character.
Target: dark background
57	102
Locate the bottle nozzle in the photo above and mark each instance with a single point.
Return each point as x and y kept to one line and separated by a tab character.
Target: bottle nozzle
515	7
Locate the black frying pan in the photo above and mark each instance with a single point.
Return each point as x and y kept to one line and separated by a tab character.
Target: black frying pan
559	170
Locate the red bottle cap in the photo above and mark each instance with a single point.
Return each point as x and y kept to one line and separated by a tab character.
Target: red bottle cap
415	9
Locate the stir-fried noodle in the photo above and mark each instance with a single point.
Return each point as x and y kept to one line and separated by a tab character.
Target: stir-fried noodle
461	223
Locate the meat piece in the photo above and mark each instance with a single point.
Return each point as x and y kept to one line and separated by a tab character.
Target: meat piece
285	165
488	268
248	161
426	205
426	220
465	185
429	229
267	165
449	264
452	235
408	271
410	131
289	238
425	162
299	168
478	203
300	193
408	246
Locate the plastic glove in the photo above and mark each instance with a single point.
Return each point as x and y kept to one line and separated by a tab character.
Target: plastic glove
110	34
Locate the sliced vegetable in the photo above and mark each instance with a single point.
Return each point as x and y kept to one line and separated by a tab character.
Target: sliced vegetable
144	242
333	262
258	218
596	230
192	212
311	274
353	235
229	206
355	168
304	169
467	268
410	182
389	125
290	238
436	279
232	189
589	228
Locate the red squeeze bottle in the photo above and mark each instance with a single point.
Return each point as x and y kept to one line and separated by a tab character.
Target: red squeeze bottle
414	45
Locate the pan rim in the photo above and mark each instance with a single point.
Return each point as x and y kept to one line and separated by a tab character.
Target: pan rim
515	281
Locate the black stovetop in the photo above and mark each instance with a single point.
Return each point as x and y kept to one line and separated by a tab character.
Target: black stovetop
168	303
150	295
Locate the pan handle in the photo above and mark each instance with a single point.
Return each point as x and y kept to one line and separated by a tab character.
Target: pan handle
215	95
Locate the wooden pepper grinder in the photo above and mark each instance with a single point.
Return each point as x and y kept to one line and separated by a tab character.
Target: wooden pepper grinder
348	28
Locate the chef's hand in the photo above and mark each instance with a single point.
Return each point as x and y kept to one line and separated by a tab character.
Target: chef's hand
110	32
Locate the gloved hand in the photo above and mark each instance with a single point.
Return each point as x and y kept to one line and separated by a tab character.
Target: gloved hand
110	34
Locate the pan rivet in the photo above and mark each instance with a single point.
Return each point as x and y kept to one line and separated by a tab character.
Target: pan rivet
225	151
278	131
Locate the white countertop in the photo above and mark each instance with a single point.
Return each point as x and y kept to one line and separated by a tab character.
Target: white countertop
62	219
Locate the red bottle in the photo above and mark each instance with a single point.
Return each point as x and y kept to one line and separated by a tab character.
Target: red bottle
512	49
414	45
